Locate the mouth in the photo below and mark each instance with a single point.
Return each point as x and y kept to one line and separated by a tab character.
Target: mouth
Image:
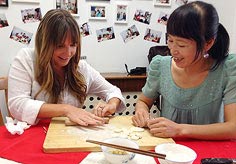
176	59
62	58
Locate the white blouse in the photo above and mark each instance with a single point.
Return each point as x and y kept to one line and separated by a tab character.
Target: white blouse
22	88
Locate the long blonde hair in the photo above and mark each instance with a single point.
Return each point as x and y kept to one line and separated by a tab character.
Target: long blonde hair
52	31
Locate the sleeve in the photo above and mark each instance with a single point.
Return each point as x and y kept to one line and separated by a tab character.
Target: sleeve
99	86
230	80
152	85
21	105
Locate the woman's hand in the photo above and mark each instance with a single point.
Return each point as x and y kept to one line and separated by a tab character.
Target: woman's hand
104	109
142	111
162	127
140	118
83	117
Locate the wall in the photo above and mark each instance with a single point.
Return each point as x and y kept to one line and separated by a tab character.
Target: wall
111	55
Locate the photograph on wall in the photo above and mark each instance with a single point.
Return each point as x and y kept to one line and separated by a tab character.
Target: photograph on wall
129	34
3	21
97	0
97	12
163	18
181	2
162	2
105	34
4	3
26	1
142	16
121	15
85	30
69	5
31	15
20	35
152	35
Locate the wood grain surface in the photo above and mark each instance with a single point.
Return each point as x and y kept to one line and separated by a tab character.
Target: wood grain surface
62	138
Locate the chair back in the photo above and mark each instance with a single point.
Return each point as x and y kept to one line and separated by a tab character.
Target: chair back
3	87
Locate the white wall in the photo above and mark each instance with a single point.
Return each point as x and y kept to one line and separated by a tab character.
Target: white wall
111	55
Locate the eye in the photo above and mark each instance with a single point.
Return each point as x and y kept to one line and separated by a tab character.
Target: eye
60	46
74	45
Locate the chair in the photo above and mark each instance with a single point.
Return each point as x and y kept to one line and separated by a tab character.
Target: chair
153	51
158	50
3	87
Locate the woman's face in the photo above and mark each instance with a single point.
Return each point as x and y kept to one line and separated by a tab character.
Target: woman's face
64	52
182	50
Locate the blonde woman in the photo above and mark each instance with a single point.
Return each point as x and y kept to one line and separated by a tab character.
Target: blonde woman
51	81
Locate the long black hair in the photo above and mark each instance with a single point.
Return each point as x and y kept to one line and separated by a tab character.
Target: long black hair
199	21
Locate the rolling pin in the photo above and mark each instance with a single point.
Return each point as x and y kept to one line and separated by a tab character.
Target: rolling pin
68	122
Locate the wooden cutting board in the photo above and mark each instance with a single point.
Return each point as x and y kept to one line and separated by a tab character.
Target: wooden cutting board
61	138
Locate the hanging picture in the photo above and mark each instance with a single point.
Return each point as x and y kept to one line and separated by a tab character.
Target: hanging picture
31	15
152	35
26	1
69	5
20	35
162	2
181	2
163	18
130	33
121	15
105	34
85	29
142	16
97	12
4	3
3	21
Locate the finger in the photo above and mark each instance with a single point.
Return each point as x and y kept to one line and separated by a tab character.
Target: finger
134	121
106	111
81	122
99	120
142	120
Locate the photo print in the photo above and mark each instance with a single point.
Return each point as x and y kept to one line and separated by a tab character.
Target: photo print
105	34
121	13
3	21
142	16
4	3
129	34
85	30
152	35
181	2
97	12
163	18
20	35
31	15
69	5
162	2
98	0
26	1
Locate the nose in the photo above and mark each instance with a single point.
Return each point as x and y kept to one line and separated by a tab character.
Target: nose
68	50
173	48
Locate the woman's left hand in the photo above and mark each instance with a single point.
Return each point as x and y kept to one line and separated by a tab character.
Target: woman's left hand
104	109
162	127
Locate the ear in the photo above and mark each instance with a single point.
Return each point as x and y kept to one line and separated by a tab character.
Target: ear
209	44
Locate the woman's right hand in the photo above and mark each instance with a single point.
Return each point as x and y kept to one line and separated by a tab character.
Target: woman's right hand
82	117
142	111
140	118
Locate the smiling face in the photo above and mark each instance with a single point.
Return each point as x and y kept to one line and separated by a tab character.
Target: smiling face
64	52
183	50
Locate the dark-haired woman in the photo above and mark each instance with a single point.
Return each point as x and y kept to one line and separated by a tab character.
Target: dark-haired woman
197	82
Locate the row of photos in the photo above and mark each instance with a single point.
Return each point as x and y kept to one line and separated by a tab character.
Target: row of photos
97	12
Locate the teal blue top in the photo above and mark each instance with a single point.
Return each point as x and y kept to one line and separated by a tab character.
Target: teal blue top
203	104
